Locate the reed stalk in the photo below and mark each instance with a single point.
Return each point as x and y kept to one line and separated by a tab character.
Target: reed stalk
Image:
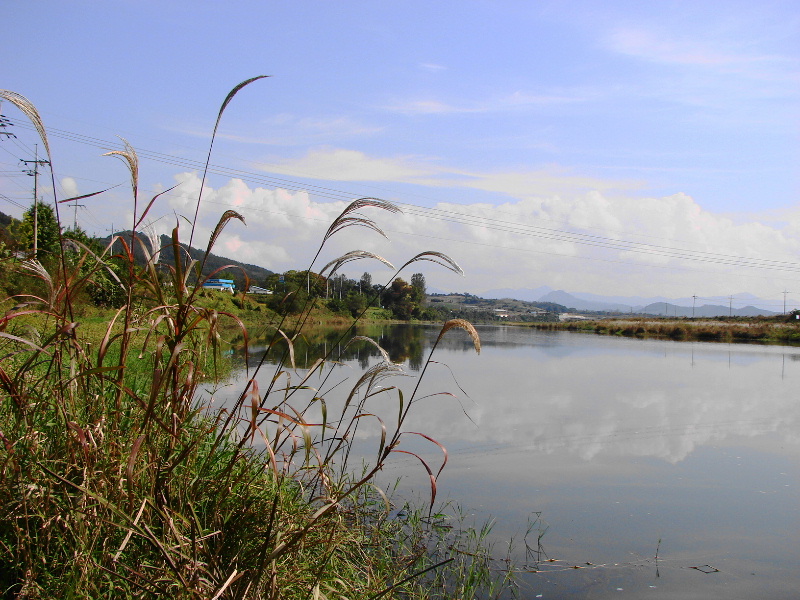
118	480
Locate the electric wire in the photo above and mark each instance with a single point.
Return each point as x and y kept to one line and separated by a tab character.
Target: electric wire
455	217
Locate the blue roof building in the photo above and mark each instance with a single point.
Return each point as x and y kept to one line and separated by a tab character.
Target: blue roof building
223	285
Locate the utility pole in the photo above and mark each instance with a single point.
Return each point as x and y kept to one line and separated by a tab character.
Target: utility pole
34	172
694	300
784	301
730	306
75	218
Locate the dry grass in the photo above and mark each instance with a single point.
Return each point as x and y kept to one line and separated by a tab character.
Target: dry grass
116	482
723	330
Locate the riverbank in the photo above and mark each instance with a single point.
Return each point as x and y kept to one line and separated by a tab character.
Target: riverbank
103	421
772	330
706	330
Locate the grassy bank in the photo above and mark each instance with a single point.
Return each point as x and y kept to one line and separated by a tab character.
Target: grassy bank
117	481
720	330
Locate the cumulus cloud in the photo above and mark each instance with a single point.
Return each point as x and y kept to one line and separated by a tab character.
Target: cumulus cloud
580	239
69	187
283	228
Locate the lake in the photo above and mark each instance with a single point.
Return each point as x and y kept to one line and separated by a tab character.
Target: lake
619	449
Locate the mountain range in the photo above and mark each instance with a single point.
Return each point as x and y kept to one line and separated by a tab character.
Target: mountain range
739	305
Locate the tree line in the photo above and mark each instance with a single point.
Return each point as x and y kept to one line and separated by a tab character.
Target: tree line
292	291
38	235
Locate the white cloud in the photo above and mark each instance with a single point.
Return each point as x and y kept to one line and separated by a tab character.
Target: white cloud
605	243
635	419
69	187
340	164
542	182
578	238
432	67
429	107
715	69
516	100
289	130
350	165
255	252
648	45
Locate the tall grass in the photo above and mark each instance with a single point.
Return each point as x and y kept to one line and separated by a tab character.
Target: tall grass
720	329
118	481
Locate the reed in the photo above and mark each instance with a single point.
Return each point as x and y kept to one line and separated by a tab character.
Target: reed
118	480
761	330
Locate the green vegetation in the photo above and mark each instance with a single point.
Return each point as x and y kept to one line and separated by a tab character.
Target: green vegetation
487	310
722	329
116	480
242	274
349	297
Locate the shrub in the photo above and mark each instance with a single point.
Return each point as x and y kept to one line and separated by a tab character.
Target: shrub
677	332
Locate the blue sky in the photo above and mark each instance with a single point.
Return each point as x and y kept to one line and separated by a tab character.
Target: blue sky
601	147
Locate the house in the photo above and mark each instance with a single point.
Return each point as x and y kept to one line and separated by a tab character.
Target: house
572	317
254	289
223	285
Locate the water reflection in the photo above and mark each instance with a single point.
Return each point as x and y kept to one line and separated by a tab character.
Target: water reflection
554	392
617	442
403	343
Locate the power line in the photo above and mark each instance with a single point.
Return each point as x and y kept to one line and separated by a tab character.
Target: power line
455	217
289	184
11	201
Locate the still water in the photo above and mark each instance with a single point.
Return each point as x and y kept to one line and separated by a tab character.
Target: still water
623	449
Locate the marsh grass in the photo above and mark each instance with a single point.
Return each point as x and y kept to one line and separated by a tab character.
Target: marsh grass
118	481
720	330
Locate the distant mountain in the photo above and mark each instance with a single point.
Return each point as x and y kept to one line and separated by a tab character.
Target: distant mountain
706	310
562	297
527	295
654	305
626	301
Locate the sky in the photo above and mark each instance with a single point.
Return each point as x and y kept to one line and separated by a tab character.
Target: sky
612	147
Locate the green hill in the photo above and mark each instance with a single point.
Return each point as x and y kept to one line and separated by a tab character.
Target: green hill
236	270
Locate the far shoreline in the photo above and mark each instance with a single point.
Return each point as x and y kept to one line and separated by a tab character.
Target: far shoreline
730	330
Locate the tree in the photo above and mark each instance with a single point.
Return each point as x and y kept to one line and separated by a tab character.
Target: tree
418	285
295	292
418	281
398	298
48	229
365	283
356	303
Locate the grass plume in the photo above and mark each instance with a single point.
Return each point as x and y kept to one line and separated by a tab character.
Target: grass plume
117	480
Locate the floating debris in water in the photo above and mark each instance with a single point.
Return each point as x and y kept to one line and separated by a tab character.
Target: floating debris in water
706	569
